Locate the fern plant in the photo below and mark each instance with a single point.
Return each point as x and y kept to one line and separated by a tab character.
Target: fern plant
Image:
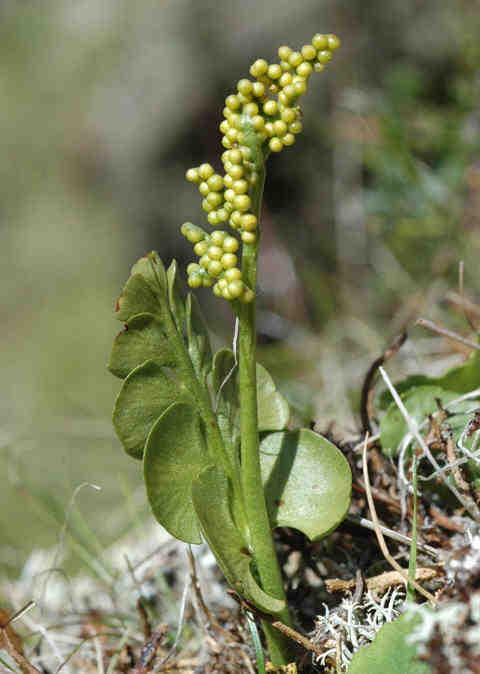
220	461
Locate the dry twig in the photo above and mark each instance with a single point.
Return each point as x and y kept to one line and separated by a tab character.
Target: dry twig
461	293
14	652
149	650
144	621
456	470
444	332
378	494
368	389
379	583
287	631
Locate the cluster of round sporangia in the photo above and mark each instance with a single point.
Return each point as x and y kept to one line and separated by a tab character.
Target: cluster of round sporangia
226	198
271	101
217	264
263	110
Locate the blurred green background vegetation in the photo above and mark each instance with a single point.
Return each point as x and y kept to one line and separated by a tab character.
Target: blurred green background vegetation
104	105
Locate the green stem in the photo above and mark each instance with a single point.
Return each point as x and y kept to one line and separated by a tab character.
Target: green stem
412	562
261	539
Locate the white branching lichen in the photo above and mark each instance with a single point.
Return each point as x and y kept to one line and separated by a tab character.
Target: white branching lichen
343	630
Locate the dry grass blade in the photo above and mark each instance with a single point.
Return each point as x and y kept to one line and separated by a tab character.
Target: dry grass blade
444	332
63	533
372	440
235	364
391	533
464	303
19	614
198	590
181	622
99	655
381	540
79	646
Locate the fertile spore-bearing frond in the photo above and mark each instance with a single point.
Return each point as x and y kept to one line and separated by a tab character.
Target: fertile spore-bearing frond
263	116
212	429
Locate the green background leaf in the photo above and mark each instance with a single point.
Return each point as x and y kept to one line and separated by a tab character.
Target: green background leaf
461	379
390	652
307	482
273	409
175	455
420	402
